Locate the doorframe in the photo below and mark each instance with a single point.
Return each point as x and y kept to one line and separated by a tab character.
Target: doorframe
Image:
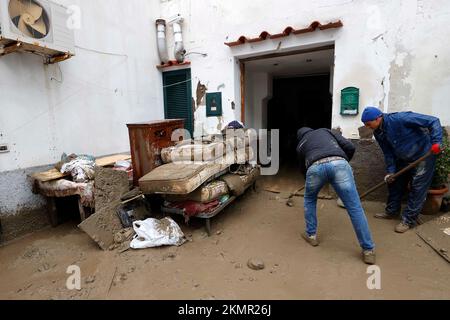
242	68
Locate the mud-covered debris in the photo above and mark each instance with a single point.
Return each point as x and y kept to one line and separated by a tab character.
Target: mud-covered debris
256	264
123	235
44	267
131	194
90	279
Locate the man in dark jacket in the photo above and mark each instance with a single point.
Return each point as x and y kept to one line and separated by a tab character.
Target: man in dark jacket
324	157
404	137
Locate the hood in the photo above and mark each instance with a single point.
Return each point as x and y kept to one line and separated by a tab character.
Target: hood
301	132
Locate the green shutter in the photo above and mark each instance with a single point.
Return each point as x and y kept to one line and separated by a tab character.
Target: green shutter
178	97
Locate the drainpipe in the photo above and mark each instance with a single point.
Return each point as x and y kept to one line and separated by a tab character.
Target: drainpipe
162	46
178	37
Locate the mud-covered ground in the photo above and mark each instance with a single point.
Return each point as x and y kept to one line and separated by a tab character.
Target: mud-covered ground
257	226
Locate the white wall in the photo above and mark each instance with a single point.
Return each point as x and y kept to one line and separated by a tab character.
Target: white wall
83	104
258	91
396	52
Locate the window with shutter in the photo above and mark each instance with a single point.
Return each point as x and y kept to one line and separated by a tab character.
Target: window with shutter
178	96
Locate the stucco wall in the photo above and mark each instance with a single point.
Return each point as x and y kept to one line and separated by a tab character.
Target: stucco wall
394	51
82	105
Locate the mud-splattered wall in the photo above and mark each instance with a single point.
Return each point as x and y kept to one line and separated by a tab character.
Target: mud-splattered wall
21	211
369	168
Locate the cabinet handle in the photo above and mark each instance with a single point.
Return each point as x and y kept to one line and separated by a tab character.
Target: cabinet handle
160	133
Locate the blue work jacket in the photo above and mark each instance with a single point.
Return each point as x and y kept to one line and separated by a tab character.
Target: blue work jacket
407	136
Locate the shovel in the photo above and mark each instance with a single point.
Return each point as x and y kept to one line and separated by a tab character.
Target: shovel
290	202
393	177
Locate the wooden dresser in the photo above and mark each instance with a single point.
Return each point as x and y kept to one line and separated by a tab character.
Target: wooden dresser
146	141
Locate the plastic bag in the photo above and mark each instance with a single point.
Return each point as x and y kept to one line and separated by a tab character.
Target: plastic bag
154	233
123	164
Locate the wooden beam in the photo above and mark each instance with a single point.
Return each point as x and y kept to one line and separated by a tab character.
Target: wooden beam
52	211
289	53
51	56
81	209
10	48
58	58
242	67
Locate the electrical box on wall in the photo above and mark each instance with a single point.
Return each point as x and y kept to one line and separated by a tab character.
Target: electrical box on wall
4	148
214	104
350	101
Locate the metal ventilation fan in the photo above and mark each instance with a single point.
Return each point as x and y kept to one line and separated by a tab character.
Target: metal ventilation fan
29	17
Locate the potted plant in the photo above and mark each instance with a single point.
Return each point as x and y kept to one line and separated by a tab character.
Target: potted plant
439	185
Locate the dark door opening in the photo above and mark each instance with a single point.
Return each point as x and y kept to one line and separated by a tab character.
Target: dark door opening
298	102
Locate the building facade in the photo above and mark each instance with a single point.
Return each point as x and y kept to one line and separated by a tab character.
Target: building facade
394	52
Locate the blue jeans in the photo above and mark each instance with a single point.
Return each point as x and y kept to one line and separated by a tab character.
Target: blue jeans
420	178
340	175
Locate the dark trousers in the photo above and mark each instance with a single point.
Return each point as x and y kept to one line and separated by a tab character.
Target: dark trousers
420	178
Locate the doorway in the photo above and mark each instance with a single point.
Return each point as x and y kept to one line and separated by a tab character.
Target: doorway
298	102
289	92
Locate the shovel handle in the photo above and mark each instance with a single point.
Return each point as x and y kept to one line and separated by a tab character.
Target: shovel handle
402	171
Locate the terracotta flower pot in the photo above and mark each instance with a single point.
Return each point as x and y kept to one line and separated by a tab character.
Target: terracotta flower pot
434	201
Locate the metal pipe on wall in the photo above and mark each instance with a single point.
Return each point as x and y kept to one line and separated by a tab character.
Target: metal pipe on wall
179	51
161	40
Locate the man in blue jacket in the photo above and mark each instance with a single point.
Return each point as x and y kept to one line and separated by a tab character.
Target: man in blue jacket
324	157
404	137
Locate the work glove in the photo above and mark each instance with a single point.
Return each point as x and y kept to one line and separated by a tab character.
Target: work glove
436	148
389	178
